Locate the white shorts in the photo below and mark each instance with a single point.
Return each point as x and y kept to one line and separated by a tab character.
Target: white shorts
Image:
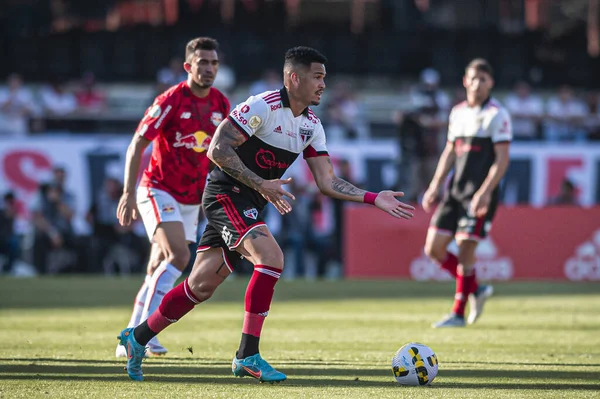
157	206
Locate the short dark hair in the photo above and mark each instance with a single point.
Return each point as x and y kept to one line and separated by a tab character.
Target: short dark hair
200	43
303	55
480	65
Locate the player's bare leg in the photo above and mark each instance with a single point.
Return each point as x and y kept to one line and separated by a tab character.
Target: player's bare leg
208	273
174	257
156	257
436	248
260	248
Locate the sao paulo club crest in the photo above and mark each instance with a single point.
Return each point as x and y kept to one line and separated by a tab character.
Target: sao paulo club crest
251	213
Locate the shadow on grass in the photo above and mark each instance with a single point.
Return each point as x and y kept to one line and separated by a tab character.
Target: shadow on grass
350	365
205	374
170	360
98	291
313	382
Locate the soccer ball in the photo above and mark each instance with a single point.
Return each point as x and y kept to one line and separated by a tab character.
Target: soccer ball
415	364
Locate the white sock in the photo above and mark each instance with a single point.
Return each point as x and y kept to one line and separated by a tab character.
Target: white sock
162	281
138	306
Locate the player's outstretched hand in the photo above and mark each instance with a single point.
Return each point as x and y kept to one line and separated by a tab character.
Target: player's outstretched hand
430	198
273	192
387	202
127	209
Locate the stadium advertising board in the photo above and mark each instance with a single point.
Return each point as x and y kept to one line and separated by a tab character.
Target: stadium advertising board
554	243
557	237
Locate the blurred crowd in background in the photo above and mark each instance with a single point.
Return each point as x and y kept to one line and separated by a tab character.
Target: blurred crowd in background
408	101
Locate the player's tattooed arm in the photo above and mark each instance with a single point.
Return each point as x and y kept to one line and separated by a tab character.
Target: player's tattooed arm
330	184
343	187
222	152
333	186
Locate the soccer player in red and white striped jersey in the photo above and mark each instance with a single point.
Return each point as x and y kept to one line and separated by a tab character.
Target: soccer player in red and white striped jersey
479	135
253	148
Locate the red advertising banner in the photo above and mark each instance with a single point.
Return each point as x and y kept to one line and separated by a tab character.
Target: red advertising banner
552	243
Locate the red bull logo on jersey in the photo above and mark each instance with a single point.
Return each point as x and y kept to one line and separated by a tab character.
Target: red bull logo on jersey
168	208
198	141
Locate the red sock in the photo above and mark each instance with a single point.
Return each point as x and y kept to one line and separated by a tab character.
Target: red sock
450	264
258	298
176	304
464	286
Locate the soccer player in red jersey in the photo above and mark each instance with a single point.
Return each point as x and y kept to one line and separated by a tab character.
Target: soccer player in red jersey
479	135
179	124
253	148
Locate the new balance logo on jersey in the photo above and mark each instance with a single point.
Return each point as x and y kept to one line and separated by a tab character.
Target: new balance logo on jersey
277	130
186	115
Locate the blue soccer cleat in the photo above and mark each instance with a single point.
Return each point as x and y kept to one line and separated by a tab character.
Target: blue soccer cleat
255	366
451	320
135	354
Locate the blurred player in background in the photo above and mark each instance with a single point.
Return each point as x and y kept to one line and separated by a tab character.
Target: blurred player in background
479	135
253	148
180	125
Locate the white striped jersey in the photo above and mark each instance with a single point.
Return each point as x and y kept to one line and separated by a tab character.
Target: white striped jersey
474	132
275	137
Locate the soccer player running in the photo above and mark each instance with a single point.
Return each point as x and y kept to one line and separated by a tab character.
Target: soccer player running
479	135
253	148
180	125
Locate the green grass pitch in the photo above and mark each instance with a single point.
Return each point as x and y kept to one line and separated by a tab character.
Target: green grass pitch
332	339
